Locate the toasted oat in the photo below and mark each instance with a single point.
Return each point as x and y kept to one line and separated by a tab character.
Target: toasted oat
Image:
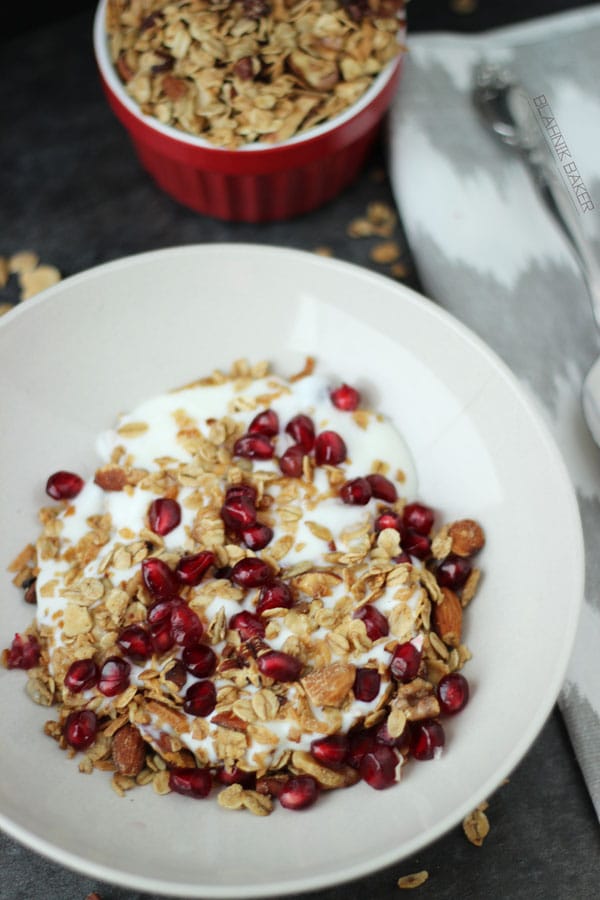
32	282
476	825
386	252
23	261
414	880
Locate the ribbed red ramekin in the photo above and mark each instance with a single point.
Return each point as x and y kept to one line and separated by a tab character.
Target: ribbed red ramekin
257	182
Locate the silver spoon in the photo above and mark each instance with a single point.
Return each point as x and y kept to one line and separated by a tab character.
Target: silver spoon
504	107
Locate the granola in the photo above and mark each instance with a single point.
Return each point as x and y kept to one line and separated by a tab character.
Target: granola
250	71
245	593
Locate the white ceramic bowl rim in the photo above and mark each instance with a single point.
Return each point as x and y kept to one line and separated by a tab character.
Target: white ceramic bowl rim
116	86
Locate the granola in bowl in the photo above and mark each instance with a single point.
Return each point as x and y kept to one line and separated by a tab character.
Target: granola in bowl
241	72
246	595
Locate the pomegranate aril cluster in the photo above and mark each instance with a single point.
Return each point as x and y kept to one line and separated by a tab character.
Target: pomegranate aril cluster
173	636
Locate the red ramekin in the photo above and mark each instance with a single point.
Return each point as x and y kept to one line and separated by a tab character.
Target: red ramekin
257	182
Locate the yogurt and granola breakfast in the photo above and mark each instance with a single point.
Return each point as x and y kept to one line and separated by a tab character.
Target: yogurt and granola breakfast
246	596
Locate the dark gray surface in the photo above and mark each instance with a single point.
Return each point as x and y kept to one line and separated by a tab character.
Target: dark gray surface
71	189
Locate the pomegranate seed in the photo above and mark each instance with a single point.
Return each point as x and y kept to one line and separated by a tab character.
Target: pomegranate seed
254	446
186	627
346	398
366	685
382	488
64	485
257	536
331	750
160	611
375	622
388	519
416	544
302	430
161	636
82	675
299	792
266	422
426	737
453	571
164	515
279	666
356	492
235	775
405	662
330	449
251	572
378	767
277	595
24	652
200	660
359	743
200	698
190	782
248	625
453	692
242	490
114	676
291	462
135	642
159	580
238	511
80	729
418	517
191	569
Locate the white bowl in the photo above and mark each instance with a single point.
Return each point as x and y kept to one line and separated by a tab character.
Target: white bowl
99	342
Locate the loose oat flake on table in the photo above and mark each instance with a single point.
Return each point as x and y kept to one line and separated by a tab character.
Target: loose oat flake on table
250	71
246	596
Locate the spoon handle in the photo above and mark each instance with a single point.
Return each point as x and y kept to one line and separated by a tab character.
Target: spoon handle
560	205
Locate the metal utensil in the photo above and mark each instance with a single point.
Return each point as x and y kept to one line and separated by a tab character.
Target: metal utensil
504	106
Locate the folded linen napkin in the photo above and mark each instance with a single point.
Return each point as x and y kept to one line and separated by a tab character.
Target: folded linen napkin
488	251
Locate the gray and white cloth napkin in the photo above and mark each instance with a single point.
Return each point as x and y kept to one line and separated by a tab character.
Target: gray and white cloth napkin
488	251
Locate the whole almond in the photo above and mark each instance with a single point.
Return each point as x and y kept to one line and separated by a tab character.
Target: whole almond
111	478
447	618
467	537
128	751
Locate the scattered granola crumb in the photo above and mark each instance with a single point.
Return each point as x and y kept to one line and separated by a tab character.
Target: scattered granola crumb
463	7
32	277
414	880
385	252
36	280
476	825
399	270
323	251
93	896
23	261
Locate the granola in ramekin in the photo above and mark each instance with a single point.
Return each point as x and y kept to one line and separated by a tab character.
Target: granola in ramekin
243	71
247	595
